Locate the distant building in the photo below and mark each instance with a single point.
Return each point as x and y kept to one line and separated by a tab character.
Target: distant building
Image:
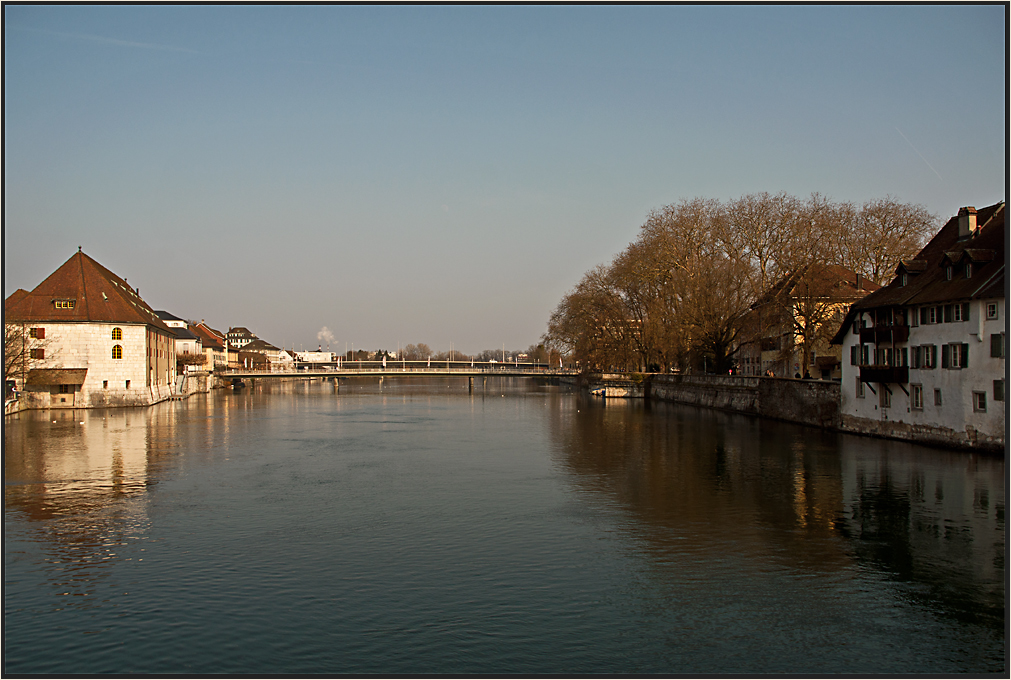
188	344
791	326
239	337
104	346
925	355
213	343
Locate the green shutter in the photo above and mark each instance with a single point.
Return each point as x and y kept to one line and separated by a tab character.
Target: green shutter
965	355
945	355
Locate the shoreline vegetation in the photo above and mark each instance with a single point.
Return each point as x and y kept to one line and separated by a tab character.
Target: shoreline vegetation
679	298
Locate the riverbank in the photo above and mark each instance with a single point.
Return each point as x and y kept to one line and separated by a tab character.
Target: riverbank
806	402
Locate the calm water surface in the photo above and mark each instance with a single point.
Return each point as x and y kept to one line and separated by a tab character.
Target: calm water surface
399	528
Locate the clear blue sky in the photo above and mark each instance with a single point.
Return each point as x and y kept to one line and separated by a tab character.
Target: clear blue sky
445	174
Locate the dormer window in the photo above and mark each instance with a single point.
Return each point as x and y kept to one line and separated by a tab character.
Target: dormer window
968	270
65	304
903	278
948	272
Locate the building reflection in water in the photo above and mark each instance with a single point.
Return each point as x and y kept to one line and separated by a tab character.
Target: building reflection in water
702	485
81	479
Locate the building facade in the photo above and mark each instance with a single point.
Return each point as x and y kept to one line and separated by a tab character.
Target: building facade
103	345
924	357
791	327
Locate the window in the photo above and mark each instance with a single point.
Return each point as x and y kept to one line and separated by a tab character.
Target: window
38	353
916	397
948	272
904	278
886	397
127	384
968	270
929	356
854	354
960	312
117	333
937	397
991	310
955	355
979	402
997	345
105	384
64	389
65	304
998	390
117	351
38	333
865	355
860	388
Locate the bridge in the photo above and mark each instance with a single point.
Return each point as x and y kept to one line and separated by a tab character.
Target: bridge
351	369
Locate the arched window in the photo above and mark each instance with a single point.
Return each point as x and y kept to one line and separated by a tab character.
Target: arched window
117	351
117	333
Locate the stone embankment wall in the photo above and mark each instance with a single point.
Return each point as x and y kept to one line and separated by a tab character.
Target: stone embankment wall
107	398
809	402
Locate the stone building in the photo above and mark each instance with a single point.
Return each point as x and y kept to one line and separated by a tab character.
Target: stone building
924	357
790	328
104	346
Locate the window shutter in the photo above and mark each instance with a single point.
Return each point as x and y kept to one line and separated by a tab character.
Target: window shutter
42	334
965	311
947	314
965	355
945	355
853	355
923	316
997	345
998	390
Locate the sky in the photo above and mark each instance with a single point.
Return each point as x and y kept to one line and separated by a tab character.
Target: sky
445	174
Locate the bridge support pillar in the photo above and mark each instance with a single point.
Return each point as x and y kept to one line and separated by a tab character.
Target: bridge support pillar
470	384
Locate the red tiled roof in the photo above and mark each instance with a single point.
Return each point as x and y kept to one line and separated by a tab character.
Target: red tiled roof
98	295
208	336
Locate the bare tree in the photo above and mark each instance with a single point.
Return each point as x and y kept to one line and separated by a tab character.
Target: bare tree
24	350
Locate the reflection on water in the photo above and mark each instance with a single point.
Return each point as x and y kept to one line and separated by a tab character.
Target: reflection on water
713	483
664	538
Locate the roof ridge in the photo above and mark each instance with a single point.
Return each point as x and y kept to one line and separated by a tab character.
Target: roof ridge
84	290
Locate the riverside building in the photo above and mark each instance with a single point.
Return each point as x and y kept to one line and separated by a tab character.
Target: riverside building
98	342
924	357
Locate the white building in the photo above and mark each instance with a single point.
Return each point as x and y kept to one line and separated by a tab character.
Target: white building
103	345
924	357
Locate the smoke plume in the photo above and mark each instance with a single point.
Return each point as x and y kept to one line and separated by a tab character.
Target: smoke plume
325	336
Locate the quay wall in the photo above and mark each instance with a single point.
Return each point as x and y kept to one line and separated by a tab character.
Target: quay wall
107	398
806	402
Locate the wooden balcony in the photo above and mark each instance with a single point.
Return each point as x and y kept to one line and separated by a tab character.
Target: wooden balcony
884	334
884	374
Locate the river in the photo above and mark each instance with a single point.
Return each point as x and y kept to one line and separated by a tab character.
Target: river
408	527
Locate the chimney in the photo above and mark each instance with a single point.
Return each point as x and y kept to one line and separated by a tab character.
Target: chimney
966	221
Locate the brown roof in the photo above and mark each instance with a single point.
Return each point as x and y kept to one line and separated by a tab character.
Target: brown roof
41	377
208	336
930	284
98	295
823	281
16	296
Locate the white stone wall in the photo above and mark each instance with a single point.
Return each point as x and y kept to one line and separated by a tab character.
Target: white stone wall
89	345
955	384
